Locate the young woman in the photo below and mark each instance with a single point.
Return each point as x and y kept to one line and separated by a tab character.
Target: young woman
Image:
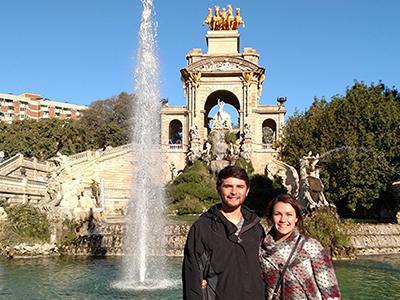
294	266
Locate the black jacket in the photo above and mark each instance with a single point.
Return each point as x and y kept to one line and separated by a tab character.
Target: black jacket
228	262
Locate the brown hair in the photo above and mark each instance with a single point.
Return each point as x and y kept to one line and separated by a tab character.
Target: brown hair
288	199
232	171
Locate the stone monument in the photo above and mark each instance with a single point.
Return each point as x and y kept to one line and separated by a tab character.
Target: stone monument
224	76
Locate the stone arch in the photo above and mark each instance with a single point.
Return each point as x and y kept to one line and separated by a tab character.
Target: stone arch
175	132
268	134
212	100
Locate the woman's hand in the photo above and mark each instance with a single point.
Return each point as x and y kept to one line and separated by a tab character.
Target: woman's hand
203	284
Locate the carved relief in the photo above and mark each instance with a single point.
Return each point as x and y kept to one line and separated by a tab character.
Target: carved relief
195	76
248	77
223	64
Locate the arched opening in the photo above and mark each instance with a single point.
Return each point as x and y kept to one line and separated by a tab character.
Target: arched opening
225	100
175	132
268	133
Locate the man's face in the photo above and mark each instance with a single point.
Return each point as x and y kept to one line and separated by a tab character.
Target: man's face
233	192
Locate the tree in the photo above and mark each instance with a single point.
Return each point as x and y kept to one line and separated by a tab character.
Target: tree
41	139
107	122
358	137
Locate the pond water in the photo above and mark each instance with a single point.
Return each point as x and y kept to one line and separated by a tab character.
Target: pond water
373	277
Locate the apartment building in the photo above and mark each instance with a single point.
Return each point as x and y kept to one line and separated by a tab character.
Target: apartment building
34	106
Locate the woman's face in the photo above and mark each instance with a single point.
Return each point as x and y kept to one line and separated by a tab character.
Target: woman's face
284	219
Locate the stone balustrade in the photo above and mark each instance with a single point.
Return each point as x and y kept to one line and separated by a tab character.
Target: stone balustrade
22	190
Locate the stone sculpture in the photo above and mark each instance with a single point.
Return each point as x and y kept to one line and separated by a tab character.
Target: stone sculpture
194	133
311	188
246	131
206	153
288	174
174	171
222	119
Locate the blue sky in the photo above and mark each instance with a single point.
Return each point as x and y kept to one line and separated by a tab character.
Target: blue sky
82	51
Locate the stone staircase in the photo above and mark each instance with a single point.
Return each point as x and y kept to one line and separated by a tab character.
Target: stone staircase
114	167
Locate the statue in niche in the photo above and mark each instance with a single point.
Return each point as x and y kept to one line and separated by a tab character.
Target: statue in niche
222	119
311	187
268	135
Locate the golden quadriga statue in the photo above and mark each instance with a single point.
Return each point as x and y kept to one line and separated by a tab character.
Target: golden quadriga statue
223	19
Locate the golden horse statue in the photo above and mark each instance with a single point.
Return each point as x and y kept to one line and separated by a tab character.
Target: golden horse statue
231	18
208	19
223	20
238	20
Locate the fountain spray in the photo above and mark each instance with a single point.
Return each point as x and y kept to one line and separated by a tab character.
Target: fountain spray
144	247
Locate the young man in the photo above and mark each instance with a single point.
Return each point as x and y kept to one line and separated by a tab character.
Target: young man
221	251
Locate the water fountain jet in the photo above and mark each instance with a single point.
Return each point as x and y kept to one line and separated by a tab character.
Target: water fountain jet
144	263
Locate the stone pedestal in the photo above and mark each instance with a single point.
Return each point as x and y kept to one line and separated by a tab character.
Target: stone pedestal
223	42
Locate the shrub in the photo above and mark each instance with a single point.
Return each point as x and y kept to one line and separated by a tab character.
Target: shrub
192	191
188	205
26	223
325	226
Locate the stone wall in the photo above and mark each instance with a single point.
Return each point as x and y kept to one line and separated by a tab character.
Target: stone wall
108	240
367	239
370	239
